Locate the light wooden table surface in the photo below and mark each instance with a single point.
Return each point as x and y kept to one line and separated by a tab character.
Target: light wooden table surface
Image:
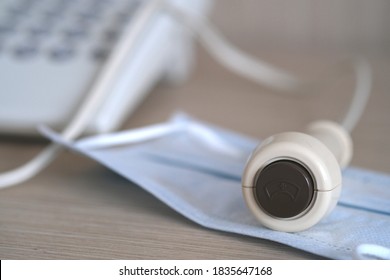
76	209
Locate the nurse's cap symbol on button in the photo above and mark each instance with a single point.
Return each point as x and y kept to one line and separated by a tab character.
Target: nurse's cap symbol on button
293	179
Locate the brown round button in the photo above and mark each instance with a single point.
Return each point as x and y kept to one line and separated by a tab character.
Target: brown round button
284	188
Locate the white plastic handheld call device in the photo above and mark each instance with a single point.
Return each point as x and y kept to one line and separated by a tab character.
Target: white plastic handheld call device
292	180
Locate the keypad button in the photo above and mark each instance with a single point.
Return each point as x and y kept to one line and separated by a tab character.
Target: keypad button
6	28
89	15
100	53
121	18
26	50
19	10
111	35
53	13
62	53
38	31
75	33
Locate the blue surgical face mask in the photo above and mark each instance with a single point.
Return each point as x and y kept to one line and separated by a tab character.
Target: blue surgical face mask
196	168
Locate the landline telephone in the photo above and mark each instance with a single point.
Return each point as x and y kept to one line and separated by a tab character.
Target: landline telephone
287	163
51	52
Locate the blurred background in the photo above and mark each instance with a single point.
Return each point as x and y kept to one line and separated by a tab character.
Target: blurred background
307	25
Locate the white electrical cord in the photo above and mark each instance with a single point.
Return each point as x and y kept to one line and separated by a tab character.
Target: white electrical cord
97	94
231	57
363	84
228	55
262	73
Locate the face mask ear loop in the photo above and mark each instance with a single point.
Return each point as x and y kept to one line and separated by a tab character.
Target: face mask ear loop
372	252
100	90
132	136
177	124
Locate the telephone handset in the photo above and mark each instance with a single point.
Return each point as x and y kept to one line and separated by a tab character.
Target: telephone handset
51	52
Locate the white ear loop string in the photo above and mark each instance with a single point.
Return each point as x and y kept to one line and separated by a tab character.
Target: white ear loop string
231	57
132	136
372	252
178	124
